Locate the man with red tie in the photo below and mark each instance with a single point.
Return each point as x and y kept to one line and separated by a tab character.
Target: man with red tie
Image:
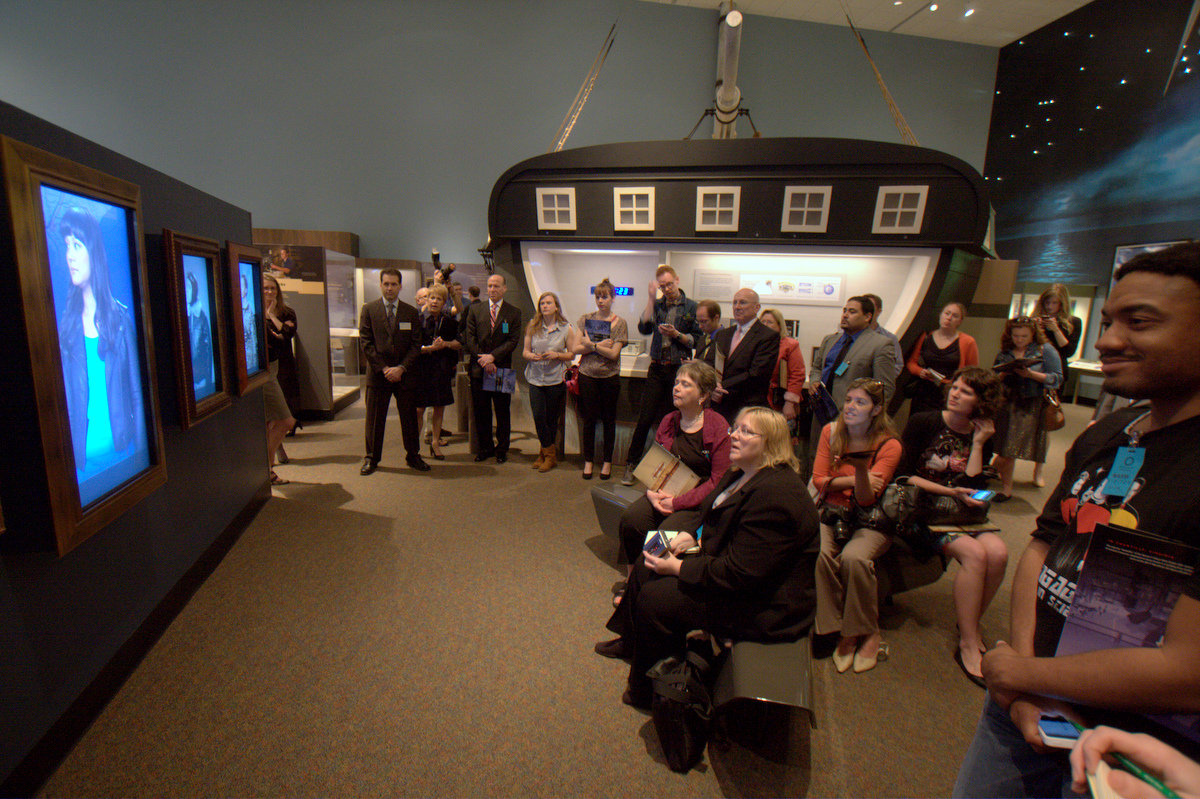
492	332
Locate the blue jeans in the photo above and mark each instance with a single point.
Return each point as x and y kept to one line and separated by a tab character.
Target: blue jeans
1000	763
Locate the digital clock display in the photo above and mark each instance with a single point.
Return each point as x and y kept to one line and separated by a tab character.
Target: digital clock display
618	291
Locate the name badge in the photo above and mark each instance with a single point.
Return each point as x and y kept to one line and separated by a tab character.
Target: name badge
404	325
1124	471
841	370
504	328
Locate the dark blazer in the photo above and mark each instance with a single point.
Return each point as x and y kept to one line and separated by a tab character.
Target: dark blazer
480	339
385	346
871	355
746	374
706	348
758	557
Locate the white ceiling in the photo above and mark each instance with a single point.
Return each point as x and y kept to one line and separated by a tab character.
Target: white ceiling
995	23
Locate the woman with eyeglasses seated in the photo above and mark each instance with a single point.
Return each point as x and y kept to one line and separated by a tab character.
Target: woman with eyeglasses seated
753	577
699	437
1019	429
944	454
856	457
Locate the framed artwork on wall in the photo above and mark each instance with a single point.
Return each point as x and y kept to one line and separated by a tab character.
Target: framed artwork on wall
244	267
82	273
196	285
1125	252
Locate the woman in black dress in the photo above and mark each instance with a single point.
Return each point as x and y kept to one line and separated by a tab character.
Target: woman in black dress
436	364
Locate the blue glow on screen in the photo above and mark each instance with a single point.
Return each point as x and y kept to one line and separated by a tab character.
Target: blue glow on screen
200	325
251	310
90	258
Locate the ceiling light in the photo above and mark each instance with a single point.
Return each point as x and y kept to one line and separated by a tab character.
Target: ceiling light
968	11
933	6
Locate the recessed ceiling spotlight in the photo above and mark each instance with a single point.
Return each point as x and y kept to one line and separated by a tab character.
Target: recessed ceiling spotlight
933	6
969	11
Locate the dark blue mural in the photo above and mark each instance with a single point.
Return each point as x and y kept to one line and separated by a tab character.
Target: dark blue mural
1090	147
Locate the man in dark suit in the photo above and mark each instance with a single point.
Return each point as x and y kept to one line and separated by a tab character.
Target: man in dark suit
746	355
492	332
390	333
708	319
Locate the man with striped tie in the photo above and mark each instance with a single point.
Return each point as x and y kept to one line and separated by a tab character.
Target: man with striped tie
492	332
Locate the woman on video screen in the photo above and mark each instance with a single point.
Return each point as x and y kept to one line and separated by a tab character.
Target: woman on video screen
96	337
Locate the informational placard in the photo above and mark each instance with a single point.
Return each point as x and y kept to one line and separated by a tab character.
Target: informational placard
773	288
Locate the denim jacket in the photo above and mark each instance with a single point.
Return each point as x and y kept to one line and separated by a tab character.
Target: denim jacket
683	316
1051	366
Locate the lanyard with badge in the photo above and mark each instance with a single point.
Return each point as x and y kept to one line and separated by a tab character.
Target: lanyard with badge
1127	462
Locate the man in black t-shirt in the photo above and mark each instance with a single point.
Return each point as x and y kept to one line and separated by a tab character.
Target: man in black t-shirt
1148	351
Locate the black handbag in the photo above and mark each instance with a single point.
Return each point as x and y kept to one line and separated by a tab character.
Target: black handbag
912	511
682	708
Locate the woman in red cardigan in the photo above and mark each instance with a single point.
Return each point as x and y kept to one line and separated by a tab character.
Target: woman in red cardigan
936	356
786	381
699	437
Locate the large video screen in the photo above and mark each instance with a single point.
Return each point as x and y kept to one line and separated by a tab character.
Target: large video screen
93	272
252	315
198	276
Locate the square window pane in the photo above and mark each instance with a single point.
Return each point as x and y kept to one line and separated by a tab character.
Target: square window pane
816	201
814	218
626	200
626	217
891	201
709	217
726	200
641	201
564	217
725	218
795	218
642	217
548	217
710	201
907	219
887	219
564	200
911	201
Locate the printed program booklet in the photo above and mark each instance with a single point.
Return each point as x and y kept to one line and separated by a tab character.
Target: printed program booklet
662	471
503	381
659	541
597	329
1126	590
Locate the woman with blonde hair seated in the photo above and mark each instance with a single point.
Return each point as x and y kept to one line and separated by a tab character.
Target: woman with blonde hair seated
753	576
856	457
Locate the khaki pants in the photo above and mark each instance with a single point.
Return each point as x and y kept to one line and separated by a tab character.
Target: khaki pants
847	592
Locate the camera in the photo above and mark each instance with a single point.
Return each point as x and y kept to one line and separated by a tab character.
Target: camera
445	269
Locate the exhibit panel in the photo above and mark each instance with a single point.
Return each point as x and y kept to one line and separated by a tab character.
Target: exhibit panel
81	267
249	351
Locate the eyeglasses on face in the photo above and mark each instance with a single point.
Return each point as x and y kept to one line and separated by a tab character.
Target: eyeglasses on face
743	431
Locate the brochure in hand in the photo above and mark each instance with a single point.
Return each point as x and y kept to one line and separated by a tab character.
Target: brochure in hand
1012	366
503	381
1126	590
659	541
597	329
660	470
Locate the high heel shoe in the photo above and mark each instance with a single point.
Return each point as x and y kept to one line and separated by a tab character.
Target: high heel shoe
842	661
436	453
863	663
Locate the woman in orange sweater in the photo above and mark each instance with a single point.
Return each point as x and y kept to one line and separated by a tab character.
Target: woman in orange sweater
856	458
786	382
936	356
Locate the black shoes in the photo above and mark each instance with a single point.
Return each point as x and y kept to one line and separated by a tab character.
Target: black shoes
616	648
368	466
415	462
483	456
501	457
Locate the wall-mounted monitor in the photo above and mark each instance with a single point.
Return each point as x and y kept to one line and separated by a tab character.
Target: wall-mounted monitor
196	282
82	274
245	267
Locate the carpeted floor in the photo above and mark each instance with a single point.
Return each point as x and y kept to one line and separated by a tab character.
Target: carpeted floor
411	634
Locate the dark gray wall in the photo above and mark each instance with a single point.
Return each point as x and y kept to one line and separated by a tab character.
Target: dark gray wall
393	119
63	619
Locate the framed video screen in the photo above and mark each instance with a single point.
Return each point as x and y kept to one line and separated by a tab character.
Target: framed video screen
81	268
244	267
196	284
1126	252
